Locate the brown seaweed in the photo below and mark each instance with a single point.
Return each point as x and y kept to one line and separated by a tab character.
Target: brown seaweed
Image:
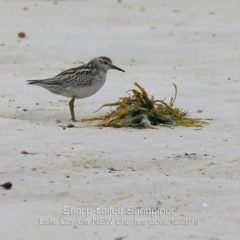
139	110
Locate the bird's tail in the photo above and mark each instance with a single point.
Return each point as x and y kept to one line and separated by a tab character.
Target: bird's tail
47	81
34	81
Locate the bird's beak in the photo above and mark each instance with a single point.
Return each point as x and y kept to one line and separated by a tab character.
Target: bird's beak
117	68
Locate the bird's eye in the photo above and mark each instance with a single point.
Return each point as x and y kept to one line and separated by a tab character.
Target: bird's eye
105	62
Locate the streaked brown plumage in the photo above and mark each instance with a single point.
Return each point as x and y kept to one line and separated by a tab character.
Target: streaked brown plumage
79	82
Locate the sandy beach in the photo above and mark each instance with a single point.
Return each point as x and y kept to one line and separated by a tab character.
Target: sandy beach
120	183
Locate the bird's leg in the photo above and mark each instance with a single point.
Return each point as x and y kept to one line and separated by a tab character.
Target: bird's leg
71	106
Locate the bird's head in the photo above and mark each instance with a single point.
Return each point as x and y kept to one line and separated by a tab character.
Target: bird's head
104	63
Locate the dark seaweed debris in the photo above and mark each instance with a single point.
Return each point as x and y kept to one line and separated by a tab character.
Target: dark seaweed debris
139	110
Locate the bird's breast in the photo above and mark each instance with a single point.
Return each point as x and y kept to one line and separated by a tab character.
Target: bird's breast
87	90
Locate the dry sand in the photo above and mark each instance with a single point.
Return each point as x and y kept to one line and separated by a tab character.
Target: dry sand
194	44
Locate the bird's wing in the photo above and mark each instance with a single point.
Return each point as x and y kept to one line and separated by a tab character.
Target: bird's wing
79	76
59	79
71	71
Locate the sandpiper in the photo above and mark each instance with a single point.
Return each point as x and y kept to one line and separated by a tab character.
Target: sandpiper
79	82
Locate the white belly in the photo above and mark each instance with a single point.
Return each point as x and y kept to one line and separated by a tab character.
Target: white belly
80	92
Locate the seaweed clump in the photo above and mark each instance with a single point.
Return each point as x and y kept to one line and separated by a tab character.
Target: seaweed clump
141	111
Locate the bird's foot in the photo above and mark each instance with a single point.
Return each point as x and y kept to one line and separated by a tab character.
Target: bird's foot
74	120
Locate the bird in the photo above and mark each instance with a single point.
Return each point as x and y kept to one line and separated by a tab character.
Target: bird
79	82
